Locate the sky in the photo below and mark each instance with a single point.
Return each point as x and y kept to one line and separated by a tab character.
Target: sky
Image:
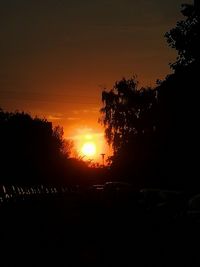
57	56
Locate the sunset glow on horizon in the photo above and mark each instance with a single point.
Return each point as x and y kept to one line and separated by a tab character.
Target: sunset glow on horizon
89	144
89	149
58	67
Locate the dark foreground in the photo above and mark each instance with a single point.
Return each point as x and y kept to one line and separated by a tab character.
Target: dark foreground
92	228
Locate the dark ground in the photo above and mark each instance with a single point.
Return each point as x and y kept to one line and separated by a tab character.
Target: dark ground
94	230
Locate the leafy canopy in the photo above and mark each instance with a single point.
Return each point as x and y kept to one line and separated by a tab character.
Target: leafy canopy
125	110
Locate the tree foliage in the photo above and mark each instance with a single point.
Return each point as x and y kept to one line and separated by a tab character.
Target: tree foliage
127	111
154	131
31	149
185	37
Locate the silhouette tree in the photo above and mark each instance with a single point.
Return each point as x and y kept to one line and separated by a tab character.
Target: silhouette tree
154	132
185	36
129	118
32	151
178	102
127	111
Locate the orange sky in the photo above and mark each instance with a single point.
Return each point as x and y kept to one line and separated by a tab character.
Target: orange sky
57	56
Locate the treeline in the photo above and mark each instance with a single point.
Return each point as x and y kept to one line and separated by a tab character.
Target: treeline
32	151
154	132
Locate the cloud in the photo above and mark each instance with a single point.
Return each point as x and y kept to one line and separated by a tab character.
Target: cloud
73	118
81	111
54	118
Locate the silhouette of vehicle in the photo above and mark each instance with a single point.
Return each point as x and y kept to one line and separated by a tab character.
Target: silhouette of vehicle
97	187
117	187
95	192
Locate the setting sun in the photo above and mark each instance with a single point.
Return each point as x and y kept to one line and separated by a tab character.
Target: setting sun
90	144
89	149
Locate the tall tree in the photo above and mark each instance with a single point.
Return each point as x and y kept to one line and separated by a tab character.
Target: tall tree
127	111
32	151
185	37
154	132
179	101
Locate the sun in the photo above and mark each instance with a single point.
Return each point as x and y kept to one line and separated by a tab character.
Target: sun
89	149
